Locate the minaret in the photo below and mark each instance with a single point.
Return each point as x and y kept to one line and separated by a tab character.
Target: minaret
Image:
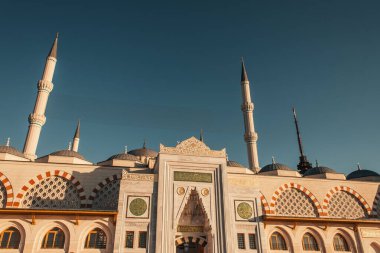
76	138
37	119
303	165
250	136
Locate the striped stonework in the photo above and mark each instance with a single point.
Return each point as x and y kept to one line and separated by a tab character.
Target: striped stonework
95	191
197	240
285	186
376	206
9	189
265	204
331	192
58	173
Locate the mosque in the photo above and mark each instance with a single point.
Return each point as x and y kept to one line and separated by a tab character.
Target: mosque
182	198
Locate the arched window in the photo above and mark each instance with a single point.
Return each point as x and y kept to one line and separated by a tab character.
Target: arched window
54	239
309	242
340	244
96	239
277	242
10	238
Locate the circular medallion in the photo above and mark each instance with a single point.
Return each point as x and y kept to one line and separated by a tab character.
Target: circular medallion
205	191
180	190
138	207
244	210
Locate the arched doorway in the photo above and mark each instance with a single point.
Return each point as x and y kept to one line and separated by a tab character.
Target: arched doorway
190	247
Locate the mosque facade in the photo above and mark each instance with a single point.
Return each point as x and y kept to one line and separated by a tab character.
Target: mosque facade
182	198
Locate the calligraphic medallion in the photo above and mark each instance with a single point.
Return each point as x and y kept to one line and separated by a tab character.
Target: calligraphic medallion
138	207
180	190
244	210
205	192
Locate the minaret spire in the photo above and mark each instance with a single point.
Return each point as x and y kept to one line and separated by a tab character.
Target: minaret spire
201	136
76	138
303	165
250	136
37	118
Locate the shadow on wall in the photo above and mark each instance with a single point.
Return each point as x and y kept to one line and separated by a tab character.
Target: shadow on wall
65	192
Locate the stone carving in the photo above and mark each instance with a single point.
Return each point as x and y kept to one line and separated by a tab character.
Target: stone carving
180	190
293	202
138	207
244	210
52	192
193	216
345	205
3	196
107	197
193	229
192	176
137	177
192	146
205	192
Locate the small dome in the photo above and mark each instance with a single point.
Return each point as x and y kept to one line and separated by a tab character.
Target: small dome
11	150
68	153
319	170
124	156
275	166
234	164
143	152
361	173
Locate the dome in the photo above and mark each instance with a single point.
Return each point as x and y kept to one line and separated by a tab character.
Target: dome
143	152
275	166
319	170
361	173
68	153
234	164
11	150
124	156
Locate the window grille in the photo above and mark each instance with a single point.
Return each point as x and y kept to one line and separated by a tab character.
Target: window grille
10	238
129	239
96	239
340	244
142	239
277	242
3	196
345	205
252	241
54	239
108	196
241	241
293	202
309	243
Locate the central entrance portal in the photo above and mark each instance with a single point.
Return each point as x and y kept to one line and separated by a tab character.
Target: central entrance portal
190	248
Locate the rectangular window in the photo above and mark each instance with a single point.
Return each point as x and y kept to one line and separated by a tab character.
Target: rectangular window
129	239
252	241
241	241
142	240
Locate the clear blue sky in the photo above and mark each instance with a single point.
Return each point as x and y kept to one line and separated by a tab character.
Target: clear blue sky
162	70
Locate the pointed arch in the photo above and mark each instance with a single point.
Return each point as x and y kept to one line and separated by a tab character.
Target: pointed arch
40	177
8	189
99	187
349	190
302	189
264	203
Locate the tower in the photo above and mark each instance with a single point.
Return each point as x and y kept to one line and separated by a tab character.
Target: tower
76	138
250	136
303	165
37	118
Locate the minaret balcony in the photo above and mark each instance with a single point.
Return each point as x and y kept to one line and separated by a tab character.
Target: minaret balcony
45	85
37	119
251	137
247	107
